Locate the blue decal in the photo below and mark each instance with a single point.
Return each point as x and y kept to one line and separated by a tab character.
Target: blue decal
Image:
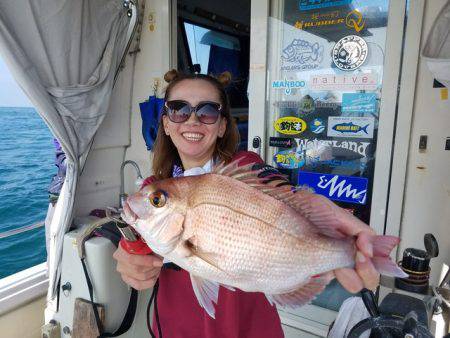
288	85
359	103
350	127
336	187
302	55
314	4
357	165
317	126
289	159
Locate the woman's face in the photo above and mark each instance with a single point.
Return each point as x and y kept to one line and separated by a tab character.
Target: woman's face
194	140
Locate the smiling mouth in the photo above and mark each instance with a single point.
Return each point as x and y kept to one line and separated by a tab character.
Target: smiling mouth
193	137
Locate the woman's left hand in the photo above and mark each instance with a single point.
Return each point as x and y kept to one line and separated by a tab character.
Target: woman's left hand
364	274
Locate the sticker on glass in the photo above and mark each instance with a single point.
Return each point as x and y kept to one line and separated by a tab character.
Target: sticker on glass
317	126
350	52
290	125
301	54
360	127
336	187
289	159
364	81
306	104
359	103
350	150
355	20
282	142
288	85
305	5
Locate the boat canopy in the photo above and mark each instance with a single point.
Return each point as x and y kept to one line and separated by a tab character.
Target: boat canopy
65	54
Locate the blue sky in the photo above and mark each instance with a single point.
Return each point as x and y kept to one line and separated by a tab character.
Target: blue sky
10	93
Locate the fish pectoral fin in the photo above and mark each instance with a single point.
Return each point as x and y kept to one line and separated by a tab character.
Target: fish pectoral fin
211	258
207	293
303	295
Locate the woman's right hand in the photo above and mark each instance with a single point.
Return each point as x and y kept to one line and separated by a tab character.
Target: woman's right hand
138	271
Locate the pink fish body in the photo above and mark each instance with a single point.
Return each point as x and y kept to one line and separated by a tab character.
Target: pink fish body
229	228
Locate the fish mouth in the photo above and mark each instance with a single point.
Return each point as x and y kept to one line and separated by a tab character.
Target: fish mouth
128	215
192	137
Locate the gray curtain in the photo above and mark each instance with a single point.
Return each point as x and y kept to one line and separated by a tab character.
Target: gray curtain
64	54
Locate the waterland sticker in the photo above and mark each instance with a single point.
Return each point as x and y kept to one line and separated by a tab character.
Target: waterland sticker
317	126
306	5
290	125
359	103
282	142
350	52
289	159
301	55
359	127
288	85
336	187
356	147
364	81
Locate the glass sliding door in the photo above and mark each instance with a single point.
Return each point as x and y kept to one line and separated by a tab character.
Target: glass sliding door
325	85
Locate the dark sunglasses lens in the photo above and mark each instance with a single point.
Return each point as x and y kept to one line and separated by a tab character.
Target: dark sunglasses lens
178	111
208	113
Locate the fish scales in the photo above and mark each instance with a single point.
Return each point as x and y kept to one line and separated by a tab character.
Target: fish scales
239	238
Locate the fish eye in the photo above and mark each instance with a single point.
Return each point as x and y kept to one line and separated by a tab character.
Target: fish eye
157	199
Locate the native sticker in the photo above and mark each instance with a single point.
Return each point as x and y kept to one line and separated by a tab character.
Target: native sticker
360	127
359	103
301	55
350	52
289	159
290	125
282	142
317	126
336	187
350	82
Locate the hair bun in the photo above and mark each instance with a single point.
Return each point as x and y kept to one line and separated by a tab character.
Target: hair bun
224	78
171	75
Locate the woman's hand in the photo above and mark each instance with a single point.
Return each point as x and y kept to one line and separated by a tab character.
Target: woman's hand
138	271
364	273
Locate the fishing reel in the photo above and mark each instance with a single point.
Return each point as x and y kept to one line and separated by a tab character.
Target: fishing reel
387	323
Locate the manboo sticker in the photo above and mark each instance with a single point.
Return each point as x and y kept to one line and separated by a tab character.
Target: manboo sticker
288	85
290	125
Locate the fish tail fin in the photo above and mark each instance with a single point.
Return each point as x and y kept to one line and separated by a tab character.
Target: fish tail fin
385	266
382	247
364	129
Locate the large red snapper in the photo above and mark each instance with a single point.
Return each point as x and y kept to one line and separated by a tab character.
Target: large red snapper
229	228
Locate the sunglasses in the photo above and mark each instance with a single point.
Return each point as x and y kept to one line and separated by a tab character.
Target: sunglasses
180	111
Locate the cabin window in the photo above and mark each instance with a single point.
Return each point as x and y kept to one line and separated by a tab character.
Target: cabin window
27	166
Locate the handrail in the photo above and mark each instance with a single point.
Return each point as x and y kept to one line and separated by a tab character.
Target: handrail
17	231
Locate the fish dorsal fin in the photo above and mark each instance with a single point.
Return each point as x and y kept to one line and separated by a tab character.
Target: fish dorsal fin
329	219
207	293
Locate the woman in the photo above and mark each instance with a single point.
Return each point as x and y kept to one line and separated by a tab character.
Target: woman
192	142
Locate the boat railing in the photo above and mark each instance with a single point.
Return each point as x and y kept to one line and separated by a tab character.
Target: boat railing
20	230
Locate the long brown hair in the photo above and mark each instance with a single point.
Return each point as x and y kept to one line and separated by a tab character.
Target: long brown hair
165	154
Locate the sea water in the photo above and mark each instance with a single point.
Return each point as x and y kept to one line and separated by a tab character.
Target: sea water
27	157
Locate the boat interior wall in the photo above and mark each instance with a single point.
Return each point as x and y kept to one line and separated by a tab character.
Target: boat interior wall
427	188
13	325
